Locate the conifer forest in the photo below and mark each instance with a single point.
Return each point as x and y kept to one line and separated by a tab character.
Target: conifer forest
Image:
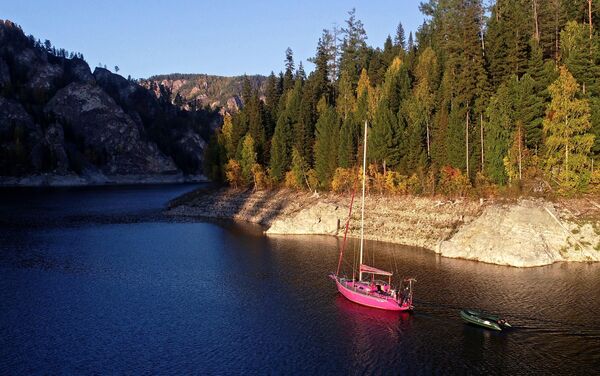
485	97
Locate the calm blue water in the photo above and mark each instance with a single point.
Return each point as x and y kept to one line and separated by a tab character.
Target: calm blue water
98	281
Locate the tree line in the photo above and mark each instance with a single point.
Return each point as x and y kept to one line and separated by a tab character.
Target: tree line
486	98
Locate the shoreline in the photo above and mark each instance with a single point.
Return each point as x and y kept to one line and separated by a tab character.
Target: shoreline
524	232
72	180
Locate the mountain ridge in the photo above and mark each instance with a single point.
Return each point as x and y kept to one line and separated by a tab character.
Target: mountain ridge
60	122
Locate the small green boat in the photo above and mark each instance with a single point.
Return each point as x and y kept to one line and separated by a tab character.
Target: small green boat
483	319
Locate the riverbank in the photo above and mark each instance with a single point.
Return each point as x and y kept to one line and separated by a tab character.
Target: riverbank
522	233
97	179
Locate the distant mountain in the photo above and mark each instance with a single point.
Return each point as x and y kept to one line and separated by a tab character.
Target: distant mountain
58	119
202	90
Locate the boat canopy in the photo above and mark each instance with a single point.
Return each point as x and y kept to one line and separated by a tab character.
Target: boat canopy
369	269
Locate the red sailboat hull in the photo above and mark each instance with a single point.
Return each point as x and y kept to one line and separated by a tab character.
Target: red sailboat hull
362	293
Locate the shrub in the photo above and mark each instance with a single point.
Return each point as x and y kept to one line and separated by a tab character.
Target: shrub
259	177
484	186
594	185
453	182
343	180
233	173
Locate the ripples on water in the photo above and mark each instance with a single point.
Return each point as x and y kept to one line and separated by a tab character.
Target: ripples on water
98	281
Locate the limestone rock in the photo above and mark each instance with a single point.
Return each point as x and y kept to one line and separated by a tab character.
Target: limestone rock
523	235
321	218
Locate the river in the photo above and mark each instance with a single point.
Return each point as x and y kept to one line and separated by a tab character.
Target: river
98	280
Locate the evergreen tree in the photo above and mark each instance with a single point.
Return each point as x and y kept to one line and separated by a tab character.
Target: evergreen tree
256	125
411	43
326	142
281	146
542	75
507	39
347	141
300	73
419	107
389	52
399	39
500	114
354	47
288	76
272	95
567	125
246	90
383	143
580	56
322	72
346	99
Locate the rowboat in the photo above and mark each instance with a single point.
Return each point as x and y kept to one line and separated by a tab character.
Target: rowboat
483	319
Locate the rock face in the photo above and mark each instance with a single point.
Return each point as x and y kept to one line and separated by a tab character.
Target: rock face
204	90
525	234
59	123
321	218
522	234
107	131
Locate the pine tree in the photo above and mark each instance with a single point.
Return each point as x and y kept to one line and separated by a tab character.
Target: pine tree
288	76
281	146
507	39
542	75
272	95
580	56
567	125
389	52
354	47
347	141
399	39
256	125
419	107
322	72
383	143
326	142
346	100
500	115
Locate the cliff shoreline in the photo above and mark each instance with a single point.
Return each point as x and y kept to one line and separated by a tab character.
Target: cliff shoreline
523	233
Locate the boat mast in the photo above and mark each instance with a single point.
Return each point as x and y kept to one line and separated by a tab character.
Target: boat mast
362	211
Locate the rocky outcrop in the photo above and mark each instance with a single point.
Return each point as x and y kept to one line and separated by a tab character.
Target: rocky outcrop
204	90
79	71
520	233
107	131
59	118
527	233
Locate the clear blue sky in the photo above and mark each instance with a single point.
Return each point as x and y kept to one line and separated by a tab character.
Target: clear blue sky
227	37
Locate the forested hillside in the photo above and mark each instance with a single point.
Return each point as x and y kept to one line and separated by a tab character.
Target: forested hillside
483	97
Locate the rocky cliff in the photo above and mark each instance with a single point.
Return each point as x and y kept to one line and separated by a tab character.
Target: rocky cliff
522	233
62	124
199	90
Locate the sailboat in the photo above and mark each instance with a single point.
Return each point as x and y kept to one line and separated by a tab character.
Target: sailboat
371	292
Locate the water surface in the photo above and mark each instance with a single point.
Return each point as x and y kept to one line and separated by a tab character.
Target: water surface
97	280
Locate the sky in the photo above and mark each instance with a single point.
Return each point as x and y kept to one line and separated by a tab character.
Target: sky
230	37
